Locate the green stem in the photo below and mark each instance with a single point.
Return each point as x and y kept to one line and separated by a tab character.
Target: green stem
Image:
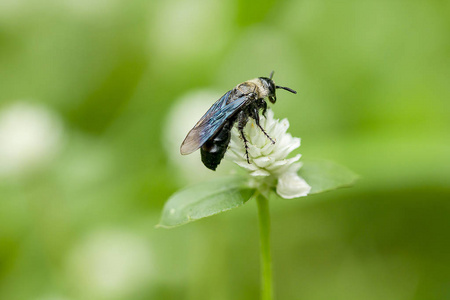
266	258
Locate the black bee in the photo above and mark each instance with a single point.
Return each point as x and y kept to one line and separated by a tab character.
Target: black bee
213	132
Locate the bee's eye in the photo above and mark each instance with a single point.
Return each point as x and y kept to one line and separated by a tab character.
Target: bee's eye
272	88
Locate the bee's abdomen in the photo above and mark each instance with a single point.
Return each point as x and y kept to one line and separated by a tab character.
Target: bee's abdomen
214	149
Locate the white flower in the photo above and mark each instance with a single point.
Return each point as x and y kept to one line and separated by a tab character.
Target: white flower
269	161
30	135
111	264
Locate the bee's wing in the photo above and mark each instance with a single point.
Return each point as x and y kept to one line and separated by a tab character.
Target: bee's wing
211	122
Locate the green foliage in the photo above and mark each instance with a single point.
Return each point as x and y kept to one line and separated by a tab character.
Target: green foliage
323	176
204	200
223	194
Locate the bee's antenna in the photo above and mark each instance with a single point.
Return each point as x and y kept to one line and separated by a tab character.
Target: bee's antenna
286	88
271	74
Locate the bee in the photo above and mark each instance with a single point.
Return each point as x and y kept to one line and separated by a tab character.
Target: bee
212	133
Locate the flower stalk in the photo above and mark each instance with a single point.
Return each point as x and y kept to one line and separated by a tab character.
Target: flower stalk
266	258
270	169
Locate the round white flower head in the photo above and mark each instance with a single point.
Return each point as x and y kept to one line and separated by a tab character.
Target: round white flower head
268	162
30	136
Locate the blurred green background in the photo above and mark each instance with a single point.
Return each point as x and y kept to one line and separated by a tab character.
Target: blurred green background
97	95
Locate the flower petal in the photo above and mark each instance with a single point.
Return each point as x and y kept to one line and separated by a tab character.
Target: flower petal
290	185
281	128
260	172
244	164
263	161
235	137
258	139
253	151
282	166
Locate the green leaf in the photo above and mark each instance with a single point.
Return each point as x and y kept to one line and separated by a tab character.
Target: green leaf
324	175
204	200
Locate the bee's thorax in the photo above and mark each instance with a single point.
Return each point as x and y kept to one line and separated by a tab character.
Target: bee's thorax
254	86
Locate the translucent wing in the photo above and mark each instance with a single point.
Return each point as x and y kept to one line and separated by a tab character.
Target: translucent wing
211	122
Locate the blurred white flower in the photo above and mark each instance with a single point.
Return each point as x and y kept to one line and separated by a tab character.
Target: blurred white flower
179	27
30	135
111	264
269	161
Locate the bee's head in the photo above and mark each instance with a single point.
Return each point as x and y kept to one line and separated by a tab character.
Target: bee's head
271	87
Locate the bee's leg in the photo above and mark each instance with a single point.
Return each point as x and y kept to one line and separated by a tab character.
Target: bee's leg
255	115
242	121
